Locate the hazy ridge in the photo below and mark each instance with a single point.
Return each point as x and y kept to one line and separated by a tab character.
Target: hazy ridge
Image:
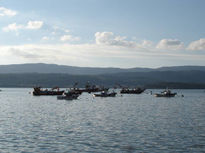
49	75
53	68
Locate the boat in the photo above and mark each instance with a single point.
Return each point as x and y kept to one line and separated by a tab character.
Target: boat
166	93
105	94
66	97
132	91
96	89
90	88
38	91
75	91
70	95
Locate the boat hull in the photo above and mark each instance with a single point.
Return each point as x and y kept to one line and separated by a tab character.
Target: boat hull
163	95
105	95
47	93
132	91
64	97
90	90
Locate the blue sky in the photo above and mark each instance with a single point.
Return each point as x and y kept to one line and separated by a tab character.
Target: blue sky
103	33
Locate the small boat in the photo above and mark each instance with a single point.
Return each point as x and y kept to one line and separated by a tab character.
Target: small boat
95	89
89	88
38	91
68	96
65	97
166	93
75	91
132	91
105	94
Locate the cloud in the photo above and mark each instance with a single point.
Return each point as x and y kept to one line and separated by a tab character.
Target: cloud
31	25
45	53
69	38
45	38
70	54
34	25
147	43
67	30
170	44
7	12
59	30
53	33
12	27
93	55
108	38
24	54
197	45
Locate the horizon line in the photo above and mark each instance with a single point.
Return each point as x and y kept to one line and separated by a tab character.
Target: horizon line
102	66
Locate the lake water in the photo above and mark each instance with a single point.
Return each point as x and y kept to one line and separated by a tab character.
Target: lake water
124	124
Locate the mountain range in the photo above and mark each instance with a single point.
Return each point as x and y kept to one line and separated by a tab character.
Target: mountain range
53	68
49	75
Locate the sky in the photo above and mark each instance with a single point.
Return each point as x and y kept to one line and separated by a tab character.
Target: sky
103	33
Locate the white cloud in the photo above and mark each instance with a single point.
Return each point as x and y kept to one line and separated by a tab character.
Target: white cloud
24	54
197	45
7	12
107	49
147	43
45	38
92	55
78	54
108	38
34	24
103	37
53	33
12	27
31	25
66	38
56	27
69	38
66	30
170	44
59	30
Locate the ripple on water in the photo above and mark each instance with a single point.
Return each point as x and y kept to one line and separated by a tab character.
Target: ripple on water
131	123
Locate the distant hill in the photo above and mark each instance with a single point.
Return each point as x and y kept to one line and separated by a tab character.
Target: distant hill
49	75
53	68
182	68
153	79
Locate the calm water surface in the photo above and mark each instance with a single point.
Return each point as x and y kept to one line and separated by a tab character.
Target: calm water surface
128	123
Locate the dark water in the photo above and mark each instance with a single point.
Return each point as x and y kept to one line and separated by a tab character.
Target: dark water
132	123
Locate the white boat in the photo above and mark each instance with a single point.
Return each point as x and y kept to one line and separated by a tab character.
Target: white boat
68	96
105	94
166	93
